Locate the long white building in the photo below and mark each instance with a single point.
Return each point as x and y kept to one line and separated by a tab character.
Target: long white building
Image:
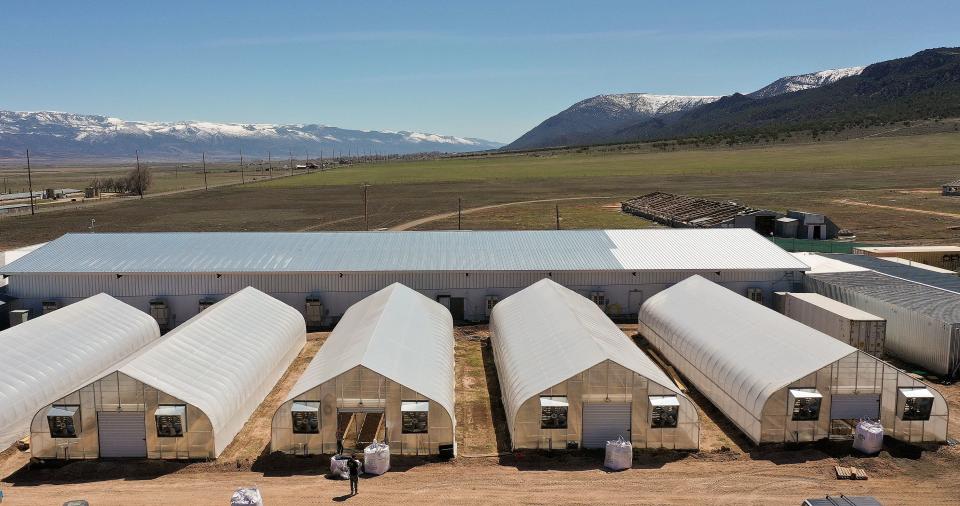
175	275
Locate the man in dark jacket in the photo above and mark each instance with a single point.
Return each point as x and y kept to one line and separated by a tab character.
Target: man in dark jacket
354	466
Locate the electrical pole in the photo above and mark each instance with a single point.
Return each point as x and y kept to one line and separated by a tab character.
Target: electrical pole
242	180
459	211
366	221
558	216
270	164
204	171
30	182
139	176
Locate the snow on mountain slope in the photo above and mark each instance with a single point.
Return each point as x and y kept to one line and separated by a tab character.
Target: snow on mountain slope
60	134
642	104
791	84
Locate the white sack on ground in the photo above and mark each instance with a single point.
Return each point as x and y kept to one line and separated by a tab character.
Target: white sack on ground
376	458
619	455
247	497
869	437
338	467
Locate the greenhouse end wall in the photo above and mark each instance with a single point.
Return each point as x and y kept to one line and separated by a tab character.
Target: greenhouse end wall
605	382
120	392
361	388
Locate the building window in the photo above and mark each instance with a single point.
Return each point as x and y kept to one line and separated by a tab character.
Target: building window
755	294
805	404
553	412
414	417
664	411
171	420
305	416
64	421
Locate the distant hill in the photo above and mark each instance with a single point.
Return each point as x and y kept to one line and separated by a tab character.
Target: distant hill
66	135
925	85
920	86
595	119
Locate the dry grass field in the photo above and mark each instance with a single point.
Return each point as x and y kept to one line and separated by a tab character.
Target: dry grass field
727	469
901	173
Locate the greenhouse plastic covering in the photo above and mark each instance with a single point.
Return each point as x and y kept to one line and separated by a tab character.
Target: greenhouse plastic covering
545	334
54	354
744	350
397	333
226	359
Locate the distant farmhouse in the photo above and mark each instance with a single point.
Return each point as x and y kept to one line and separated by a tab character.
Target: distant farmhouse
686	211
951	189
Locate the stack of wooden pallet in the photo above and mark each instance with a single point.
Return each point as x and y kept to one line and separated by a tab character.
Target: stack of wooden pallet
850	473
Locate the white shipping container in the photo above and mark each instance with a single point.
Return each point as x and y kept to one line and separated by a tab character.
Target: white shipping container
848	324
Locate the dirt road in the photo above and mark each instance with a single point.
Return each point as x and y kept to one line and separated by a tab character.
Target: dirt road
442	216
895	208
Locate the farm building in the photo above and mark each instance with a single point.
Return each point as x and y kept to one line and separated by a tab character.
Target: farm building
922	308
570	377
173	275
186	396
779	380
54	354
950	189
812	225
944	257
386	372
685	211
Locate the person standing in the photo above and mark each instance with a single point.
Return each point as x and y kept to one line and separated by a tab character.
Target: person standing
354	466
339	442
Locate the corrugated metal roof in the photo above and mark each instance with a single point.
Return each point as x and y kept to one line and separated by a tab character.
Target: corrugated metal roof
52	355
186	252
835	307
925	299
397	333
744	350
546	334
907	272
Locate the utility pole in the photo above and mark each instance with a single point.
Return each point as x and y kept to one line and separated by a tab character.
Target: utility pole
139	176
366	221
30	182
270	164
558	216
291	162
204	154
176	175
459	211
242	180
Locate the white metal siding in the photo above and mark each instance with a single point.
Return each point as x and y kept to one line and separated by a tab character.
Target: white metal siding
605	421
122	434
855	407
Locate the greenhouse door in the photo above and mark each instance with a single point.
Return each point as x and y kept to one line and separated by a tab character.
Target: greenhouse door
123	434
605	421
855	407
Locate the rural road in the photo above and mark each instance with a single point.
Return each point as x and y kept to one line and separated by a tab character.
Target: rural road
435	217
894	208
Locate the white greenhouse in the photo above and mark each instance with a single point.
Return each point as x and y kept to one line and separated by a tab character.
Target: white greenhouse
779	380
386	372
569	377
54	354
184	397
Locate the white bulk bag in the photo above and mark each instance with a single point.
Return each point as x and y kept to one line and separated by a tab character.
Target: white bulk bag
869	437
619	455
376	458
247	497
338	467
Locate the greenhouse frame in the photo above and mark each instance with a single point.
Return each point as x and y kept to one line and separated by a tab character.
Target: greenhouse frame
569	377
386	372
779	380
54	354
184	397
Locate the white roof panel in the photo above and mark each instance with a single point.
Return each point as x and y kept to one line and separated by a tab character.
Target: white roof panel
744	350
226	359
546	334
52	355
397	333
187	252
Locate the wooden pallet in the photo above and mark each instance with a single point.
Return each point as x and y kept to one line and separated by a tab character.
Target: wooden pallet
850	473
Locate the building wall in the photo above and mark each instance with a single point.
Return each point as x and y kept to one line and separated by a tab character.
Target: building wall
345	392
603	382
119	392
946	259
858	373
625	290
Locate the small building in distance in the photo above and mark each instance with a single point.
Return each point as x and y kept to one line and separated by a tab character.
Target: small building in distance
944	257
951	189
813	225
569	377
686	211
779	380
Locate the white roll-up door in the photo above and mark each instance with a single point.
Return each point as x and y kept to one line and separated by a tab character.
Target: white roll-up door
122	434
855	407
605	421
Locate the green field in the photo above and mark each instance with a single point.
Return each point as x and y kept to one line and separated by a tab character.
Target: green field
897	172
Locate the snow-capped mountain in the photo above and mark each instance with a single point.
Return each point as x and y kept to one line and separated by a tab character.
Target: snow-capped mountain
592	119
791	84
61	135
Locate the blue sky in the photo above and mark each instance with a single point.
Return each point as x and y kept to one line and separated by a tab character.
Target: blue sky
491	69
